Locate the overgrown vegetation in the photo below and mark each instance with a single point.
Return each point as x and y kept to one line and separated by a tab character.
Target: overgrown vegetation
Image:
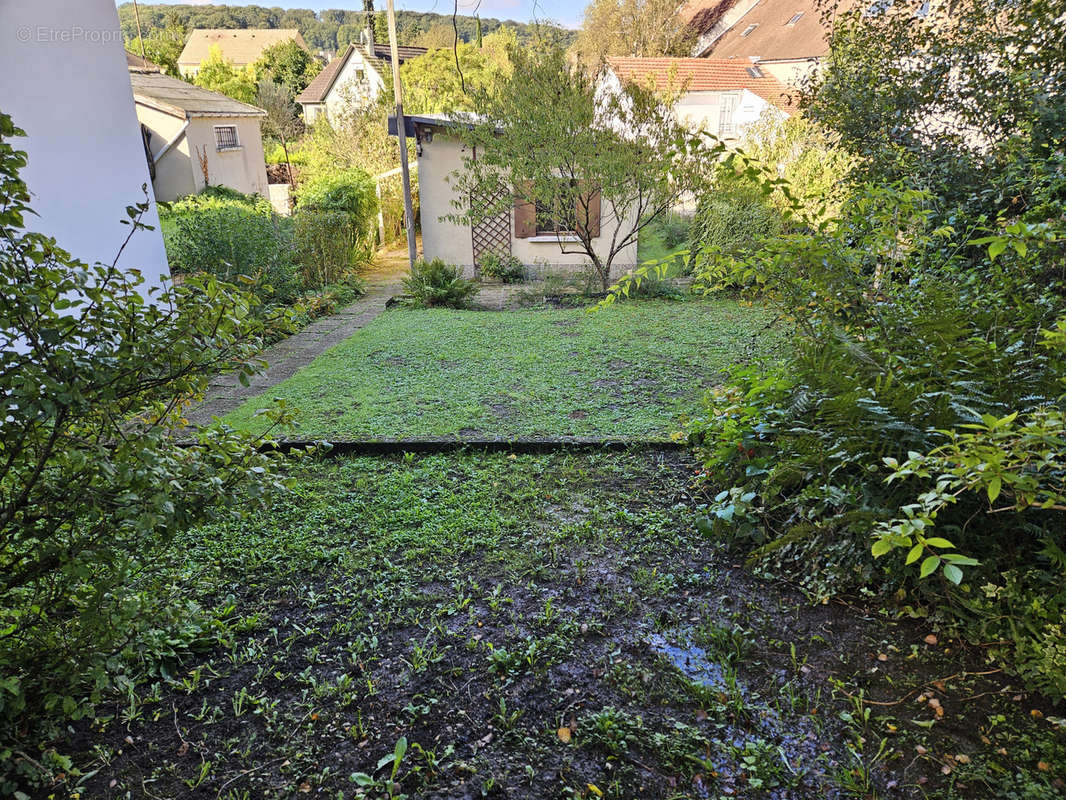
96	369
910	448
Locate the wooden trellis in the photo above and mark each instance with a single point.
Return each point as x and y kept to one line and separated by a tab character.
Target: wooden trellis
492	234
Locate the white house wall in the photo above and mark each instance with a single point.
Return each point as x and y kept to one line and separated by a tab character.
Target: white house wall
64	80
704	109
452	242
350	91
243	169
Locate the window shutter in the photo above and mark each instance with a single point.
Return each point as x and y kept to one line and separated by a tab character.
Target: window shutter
525	214
588	211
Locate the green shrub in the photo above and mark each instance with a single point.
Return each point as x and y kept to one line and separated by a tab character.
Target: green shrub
883	453
227	234
326	247
674	230
434	283
503	267
734	219
350	191
95	483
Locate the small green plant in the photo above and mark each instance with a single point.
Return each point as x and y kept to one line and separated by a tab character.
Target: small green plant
435	283
503	267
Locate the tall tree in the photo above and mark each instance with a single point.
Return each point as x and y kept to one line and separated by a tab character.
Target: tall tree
219	75
289	64
433	84
644	28
595	165
282	121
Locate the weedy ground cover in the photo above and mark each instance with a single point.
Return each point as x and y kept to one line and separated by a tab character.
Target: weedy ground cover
540	626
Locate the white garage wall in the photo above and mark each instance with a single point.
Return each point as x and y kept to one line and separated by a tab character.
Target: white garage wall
63	80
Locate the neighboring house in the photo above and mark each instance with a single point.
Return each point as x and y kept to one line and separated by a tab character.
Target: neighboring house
240	46
718	95
786	38
354	78
516	232
190	131
71	95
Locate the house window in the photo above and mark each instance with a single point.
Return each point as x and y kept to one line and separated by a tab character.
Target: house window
226	137
747	31
795	18
727	115
559	217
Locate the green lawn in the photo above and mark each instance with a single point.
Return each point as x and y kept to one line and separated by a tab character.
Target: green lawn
626	371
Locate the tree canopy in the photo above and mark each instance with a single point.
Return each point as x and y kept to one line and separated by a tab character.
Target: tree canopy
219	75
289	64
433	84
644	28
597	166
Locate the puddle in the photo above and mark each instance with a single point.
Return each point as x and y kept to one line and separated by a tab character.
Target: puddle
692	661
790	746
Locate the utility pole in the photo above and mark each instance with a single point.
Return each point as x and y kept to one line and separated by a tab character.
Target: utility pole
401	135
140	38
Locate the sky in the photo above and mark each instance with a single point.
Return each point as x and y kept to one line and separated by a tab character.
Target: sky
566	12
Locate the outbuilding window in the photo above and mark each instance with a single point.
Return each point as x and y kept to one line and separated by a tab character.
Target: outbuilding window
226	137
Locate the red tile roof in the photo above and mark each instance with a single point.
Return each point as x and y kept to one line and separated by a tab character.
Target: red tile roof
702	75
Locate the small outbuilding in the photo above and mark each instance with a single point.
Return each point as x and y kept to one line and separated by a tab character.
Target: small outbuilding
194	137
520	232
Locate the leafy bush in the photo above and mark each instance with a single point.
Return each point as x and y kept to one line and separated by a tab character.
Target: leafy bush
229	235
503	267
434	283
326	247
734	218
894	414
94	484
351	192
674	229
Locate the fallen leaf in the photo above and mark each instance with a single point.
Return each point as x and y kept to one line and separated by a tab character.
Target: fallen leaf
962	758
1043	766
882	657
934	703
930	639
921	750
564	735
183	749
1036	713
701	714
946	769
596	790
305	787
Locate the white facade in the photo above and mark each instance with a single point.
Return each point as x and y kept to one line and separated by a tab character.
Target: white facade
63	80
453	242
357	85
723	114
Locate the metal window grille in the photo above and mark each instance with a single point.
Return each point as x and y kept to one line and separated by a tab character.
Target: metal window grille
226	137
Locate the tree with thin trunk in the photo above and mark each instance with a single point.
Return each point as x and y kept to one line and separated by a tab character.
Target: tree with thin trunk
282	121
590	160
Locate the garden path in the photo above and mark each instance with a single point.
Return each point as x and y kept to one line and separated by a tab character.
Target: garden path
285	358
